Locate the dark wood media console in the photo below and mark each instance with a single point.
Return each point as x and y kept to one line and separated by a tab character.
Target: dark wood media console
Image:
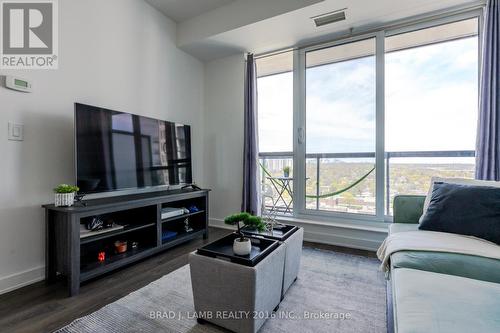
75	259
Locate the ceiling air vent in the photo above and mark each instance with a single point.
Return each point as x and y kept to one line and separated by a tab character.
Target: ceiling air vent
328	18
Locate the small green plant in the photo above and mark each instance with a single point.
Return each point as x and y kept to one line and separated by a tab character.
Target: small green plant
286	170
254	222
65	188
235	218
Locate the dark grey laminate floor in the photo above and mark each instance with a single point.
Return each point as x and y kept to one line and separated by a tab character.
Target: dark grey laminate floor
44	308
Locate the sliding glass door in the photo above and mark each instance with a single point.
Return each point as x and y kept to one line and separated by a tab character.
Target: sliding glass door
340	128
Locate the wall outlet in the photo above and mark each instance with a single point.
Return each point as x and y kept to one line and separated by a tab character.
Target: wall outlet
16	132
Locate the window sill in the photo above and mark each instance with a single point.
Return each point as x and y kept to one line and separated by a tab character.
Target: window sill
364	235
380	227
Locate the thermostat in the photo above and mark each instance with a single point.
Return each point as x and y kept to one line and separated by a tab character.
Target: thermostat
17	83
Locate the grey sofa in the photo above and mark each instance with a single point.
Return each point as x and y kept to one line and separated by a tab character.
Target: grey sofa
437	291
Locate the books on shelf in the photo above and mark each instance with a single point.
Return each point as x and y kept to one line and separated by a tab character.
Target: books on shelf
84	232
168	235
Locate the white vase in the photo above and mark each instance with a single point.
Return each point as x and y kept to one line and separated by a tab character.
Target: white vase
242	248
64	199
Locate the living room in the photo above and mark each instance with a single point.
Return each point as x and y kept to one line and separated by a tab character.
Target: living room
237	165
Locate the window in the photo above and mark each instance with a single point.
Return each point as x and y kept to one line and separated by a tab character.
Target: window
374	116
431	80
340	128
275	113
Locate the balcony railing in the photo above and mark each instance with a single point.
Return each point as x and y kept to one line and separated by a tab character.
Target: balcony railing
282	159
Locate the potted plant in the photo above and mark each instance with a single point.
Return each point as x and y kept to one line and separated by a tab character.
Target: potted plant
286	171
65	194
242	245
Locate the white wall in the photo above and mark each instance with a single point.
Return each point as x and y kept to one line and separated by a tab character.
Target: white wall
223	148
119	54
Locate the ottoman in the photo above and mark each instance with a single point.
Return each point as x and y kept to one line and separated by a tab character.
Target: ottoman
235	296
292	238
293	253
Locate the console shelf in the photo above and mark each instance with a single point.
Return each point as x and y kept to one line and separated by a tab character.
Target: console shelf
92	270
182	238
75	259
183	216
123	231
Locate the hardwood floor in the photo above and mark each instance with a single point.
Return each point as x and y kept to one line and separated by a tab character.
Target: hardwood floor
45	308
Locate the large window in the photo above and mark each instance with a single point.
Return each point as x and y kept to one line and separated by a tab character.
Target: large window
431	84
373	117
340	128
275	111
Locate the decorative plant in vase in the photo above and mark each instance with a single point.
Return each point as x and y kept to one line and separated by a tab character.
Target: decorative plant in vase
65	194
242	245
286	171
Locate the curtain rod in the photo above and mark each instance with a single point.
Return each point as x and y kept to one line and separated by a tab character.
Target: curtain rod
457	10
273	53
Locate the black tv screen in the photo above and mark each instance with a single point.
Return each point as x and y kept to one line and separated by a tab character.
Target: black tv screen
123	151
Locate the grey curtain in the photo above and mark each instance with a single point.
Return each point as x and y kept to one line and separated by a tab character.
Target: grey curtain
251	184
488	139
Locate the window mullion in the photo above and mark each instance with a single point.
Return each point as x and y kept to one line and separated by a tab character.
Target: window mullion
299	149
380	129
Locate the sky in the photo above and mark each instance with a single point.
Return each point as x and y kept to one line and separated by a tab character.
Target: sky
430	104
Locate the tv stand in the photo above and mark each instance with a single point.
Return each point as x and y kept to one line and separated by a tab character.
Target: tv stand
191	186
73	257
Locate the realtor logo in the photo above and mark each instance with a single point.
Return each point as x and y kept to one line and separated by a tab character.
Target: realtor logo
29	34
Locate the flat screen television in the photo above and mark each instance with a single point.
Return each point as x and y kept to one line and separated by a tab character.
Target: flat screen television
121	151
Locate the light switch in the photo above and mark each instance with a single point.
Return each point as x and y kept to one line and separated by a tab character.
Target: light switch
16	132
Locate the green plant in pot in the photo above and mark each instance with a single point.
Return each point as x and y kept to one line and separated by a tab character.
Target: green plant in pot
242	245
65	195
286	171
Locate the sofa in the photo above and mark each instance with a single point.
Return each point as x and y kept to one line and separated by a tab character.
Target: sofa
437	291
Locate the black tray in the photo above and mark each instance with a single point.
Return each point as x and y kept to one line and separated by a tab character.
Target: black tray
223	248
278	233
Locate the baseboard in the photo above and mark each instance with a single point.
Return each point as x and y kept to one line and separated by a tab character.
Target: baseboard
219	223
343	241
21	279
346	237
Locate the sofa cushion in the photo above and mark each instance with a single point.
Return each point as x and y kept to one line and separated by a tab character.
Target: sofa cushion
408	208
474	267
402	227
460	181
432	302
464	209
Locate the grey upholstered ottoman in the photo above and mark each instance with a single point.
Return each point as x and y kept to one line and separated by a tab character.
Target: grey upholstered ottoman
292	238
293	253
235	296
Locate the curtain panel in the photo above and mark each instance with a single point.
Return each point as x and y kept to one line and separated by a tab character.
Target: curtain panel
251	182
488	134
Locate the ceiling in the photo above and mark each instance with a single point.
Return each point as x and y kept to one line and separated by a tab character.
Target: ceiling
182	10
283	62
296	27
211	29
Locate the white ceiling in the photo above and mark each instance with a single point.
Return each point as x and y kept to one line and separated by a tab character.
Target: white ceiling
182	10
297	28
211	29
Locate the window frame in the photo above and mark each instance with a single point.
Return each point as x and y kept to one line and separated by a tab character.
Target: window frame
299	113
300	210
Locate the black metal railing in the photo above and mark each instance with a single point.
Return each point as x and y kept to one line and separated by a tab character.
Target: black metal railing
264	157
